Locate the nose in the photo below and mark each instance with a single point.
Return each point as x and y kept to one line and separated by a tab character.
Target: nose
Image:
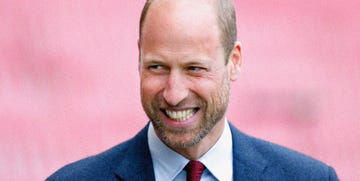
176	89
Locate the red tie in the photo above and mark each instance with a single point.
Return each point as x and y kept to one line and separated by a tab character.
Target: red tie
194	169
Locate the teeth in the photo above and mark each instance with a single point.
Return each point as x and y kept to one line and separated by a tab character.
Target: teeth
180	115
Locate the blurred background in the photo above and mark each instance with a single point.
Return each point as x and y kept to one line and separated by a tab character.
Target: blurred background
69	85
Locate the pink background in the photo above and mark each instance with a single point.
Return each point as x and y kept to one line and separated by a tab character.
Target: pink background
69	85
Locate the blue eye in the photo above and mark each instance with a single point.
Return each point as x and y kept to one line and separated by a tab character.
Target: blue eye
195	69
155	67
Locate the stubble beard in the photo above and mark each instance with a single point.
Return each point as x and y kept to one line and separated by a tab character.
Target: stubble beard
211	115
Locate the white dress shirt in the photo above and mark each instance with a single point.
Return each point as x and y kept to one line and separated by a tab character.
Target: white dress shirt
169	165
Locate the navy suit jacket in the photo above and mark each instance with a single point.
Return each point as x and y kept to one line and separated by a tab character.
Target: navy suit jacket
253	159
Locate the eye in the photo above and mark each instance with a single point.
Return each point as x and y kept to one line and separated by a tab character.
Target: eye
196	68
157	69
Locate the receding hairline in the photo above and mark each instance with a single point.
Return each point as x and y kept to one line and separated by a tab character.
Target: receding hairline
226	23
147	6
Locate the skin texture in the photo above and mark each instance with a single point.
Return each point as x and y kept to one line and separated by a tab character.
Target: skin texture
182	67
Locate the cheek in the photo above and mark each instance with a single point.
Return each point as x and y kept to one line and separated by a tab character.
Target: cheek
151	86
206	88
215	93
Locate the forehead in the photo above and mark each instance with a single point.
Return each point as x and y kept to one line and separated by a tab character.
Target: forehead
180	21
182	17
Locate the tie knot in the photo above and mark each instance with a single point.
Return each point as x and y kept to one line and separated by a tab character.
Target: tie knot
194	170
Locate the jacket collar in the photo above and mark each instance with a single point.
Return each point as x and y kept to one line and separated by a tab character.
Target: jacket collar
248	163
137	163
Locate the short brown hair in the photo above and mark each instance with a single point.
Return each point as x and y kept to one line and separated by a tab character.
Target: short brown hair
226	20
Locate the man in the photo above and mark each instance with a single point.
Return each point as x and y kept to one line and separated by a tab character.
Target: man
188	55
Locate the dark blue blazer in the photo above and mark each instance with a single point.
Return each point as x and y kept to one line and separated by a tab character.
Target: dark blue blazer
253	159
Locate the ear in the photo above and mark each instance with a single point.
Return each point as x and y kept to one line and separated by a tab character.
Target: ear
139	53
138	44
235	61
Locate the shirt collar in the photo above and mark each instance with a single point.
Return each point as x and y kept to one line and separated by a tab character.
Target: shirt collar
168	163
219	160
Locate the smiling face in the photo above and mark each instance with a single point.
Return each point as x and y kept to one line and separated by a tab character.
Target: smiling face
184	78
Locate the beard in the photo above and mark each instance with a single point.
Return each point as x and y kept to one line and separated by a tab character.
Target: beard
212	111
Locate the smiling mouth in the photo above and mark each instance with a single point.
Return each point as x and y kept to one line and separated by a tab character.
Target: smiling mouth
182	115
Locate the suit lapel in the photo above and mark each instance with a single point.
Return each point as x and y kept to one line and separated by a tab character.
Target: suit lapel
137	163
248	163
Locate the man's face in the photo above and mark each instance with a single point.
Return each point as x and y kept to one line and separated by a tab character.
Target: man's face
184	79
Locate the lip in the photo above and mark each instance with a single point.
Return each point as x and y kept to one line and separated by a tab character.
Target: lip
180	124
178	109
